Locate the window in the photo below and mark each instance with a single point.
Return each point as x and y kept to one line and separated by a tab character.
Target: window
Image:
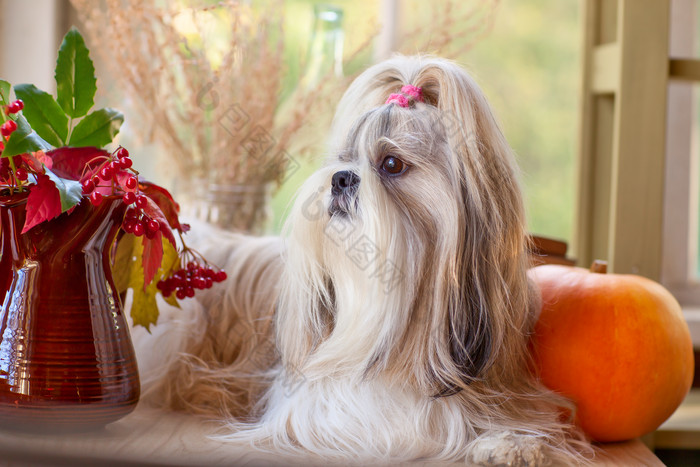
525	55
638	202
680	271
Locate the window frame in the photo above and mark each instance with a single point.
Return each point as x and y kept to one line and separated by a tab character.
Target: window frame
680	247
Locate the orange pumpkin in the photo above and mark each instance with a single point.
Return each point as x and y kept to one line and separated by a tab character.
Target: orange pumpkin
617	345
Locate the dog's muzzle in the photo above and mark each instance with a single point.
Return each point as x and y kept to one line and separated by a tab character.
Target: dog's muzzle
344	186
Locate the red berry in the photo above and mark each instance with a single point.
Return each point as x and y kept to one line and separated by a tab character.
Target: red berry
96	180
106	173
210	273
129	198
115	166
131	183
96	198
220	276
2	146
141	201
153	225
88	186
128	225
21	174
125	162
208	283
189	291
139	228
181	294
132	214
8	127
122	153
14	107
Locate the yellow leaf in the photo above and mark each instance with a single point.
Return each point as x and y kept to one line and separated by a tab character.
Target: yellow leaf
144	309
123	263
128	274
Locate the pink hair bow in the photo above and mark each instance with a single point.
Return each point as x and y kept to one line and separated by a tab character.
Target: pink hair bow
413	91
408	93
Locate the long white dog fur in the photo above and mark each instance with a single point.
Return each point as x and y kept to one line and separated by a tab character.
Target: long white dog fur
392	320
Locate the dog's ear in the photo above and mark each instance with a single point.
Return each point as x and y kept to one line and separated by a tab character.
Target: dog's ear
488	305
472	318
470	327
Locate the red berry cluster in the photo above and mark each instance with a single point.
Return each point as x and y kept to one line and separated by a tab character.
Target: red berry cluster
139	223
12	169
14	107
194	276
5	168
107	173
136	221
9	127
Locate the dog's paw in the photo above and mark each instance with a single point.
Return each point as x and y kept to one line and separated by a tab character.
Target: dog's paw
507	449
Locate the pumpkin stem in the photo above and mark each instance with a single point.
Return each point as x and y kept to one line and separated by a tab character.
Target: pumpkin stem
599	266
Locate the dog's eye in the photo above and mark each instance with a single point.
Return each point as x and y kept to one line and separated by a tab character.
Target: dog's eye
393	165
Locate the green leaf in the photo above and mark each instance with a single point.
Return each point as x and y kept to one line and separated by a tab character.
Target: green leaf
70	191
4	93
75	76
24	139
97	129
44	114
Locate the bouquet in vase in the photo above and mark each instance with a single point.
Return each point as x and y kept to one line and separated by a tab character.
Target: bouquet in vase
52	154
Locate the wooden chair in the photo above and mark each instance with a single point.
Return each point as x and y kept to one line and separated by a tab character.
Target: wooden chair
548	251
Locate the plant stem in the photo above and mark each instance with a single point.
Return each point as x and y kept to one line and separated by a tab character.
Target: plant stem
599	266
70	130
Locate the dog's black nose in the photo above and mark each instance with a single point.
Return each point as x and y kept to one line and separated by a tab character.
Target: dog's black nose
344	181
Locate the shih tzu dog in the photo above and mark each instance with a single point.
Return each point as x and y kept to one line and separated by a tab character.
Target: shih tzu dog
392	321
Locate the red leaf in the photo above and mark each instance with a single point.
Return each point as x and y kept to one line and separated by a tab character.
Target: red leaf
165	202
37	160
122	176
73	163
152	257
153	211
43	203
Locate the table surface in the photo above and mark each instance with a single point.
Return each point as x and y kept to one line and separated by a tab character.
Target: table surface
150	436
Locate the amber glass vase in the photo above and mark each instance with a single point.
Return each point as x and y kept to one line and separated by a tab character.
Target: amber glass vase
66	357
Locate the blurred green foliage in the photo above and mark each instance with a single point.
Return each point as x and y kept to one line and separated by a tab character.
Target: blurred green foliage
528	66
